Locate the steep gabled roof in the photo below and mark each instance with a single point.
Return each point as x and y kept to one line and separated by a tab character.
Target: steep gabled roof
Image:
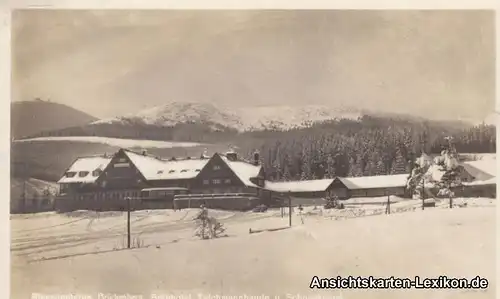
242	169
85	165
153	168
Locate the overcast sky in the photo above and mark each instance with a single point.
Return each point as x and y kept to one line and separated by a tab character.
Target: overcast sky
107	63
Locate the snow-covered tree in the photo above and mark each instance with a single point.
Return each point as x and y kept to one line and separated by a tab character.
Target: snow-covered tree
208	227
451	177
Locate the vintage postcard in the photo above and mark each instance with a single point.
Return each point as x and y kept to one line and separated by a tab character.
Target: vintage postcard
252	154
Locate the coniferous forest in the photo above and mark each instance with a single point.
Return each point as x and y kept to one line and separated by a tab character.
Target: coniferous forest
371	146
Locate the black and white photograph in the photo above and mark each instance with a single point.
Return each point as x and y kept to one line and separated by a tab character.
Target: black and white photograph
252	154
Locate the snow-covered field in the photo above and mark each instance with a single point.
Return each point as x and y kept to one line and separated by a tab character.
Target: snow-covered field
118	142
81	253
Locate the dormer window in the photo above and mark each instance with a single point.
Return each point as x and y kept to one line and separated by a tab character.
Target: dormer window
159	172
96	172
83	174
198	170
184	170
171	171
70	174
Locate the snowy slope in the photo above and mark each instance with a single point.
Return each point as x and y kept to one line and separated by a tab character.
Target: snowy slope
245	118
118	142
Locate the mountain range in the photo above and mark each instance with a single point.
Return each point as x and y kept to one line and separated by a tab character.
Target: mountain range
181	121
240	119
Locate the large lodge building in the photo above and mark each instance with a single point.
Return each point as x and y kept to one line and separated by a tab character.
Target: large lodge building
226	180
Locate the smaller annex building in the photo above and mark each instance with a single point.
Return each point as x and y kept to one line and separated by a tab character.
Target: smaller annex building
313	191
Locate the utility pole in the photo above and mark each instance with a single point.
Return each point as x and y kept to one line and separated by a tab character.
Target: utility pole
23	204
388	209
128	222
289	209
424	168
423	192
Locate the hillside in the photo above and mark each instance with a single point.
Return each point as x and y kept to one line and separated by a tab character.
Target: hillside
31	117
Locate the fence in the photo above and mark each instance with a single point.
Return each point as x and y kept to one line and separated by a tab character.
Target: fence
226	201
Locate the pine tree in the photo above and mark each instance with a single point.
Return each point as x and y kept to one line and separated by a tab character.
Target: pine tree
399	163
380	168
305	173
451	177
276	169
330	167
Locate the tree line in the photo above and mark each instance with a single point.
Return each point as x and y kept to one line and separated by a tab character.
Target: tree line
371	146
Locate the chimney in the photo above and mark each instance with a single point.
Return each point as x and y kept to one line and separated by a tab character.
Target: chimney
204	155
232	155
256	158
144	152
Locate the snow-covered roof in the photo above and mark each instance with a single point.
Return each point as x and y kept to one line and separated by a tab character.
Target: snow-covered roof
81	170
372	182
153	168
481	169
299	186
244	170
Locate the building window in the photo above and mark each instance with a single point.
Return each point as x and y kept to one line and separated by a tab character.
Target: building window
216	181
83	174
70	174
216	167
121	165
227	181
206	182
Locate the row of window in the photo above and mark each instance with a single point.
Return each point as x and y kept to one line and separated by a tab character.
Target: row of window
173	171
217	181
109	195
82	174
220	190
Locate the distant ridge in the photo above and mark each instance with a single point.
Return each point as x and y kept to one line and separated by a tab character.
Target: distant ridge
31	117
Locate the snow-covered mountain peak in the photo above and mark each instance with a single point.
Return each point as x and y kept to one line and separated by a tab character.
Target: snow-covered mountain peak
243	118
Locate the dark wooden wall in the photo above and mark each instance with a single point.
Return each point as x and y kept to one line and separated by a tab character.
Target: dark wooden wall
217	177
